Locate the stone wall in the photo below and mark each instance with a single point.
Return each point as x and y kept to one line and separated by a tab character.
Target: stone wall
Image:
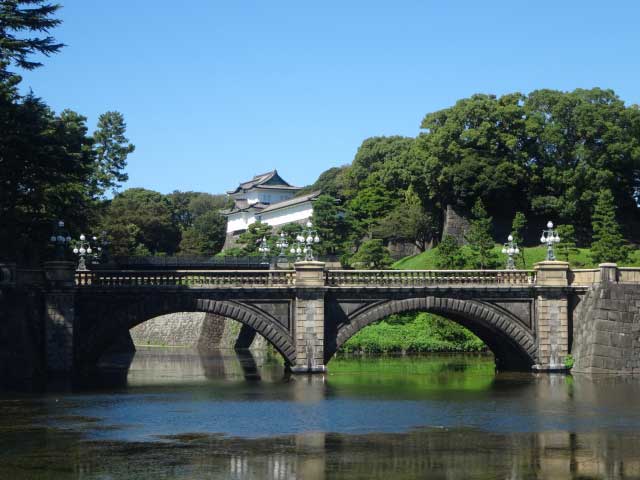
456	223
191	329
606	330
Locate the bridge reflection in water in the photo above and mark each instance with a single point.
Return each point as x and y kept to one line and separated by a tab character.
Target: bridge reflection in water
183	415
551	444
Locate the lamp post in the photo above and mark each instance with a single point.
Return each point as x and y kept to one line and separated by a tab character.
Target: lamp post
82	249
510	248
282	244
264	249
306	239
549	238
296	250
97	253
60	239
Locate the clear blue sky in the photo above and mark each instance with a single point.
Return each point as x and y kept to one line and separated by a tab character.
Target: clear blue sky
214	92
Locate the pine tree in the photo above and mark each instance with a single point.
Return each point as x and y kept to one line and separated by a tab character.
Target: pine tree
567	245
450	256
608	245
479	238
372	254
518	227
112	149
19	21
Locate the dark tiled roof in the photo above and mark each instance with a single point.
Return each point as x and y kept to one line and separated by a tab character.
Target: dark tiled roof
265	180
263	207
292	201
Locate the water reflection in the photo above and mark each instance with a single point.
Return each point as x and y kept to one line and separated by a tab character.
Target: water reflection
185	416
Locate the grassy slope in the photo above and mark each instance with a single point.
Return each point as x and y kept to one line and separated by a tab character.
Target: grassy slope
427	260
414	333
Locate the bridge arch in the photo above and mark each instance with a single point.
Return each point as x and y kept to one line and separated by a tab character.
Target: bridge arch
104	327
512	343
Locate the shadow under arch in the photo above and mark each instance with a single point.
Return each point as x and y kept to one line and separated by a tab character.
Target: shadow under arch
512	344
105	327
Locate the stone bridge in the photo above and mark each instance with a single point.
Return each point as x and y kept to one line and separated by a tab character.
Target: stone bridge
529	319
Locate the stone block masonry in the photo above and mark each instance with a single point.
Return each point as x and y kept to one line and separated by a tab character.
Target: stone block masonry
606	330
200	330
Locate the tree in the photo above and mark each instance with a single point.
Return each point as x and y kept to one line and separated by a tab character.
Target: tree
250	239
476	149
372	156
449	255
206	236
608	244
518	226
409	222
567	244
45	167
332	225
112	149
479	238
372	254
150	213
29	17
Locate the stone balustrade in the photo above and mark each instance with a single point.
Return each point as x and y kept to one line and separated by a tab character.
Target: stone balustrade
185	278
420	278
347	278
628	275
586	276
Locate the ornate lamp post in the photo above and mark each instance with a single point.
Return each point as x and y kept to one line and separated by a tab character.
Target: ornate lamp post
282	244
82	249
60	239
296	250
510	248
549	238
307	239
264	248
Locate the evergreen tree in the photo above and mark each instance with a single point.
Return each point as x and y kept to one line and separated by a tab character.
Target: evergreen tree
112	149
332	225
206	236
479	238
372	254
20	22
250	239
449	254
518	227
567	245
608	244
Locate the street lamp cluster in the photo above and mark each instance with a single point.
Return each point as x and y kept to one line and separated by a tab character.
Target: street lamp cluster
305	241
301	247
549	238
82	247
510	248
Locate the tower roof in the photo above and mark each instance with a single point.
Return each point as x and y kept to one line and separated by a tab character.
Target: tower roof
264	180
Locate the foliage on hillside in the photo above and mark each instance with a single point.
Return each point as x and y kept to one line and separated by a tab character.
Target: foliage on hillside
413	333
580	258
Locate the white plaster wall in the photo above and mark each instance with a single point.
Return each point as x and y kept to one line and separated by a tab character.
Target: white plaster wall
268	196
295	213
239	221
282	216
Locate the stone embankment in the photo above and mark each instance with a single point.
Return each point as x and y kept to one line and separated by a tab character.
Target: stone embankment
204	331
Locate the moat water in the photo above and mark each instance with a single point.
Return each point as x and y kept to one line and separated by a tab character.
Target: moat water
175	414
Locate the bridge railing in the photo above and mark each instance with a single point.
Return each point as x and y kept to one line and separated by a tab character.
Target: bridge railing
418	278
628	274
186	278
584	276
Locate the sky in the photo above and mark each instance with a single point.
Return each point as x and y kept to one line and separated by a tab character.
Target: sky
215	92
